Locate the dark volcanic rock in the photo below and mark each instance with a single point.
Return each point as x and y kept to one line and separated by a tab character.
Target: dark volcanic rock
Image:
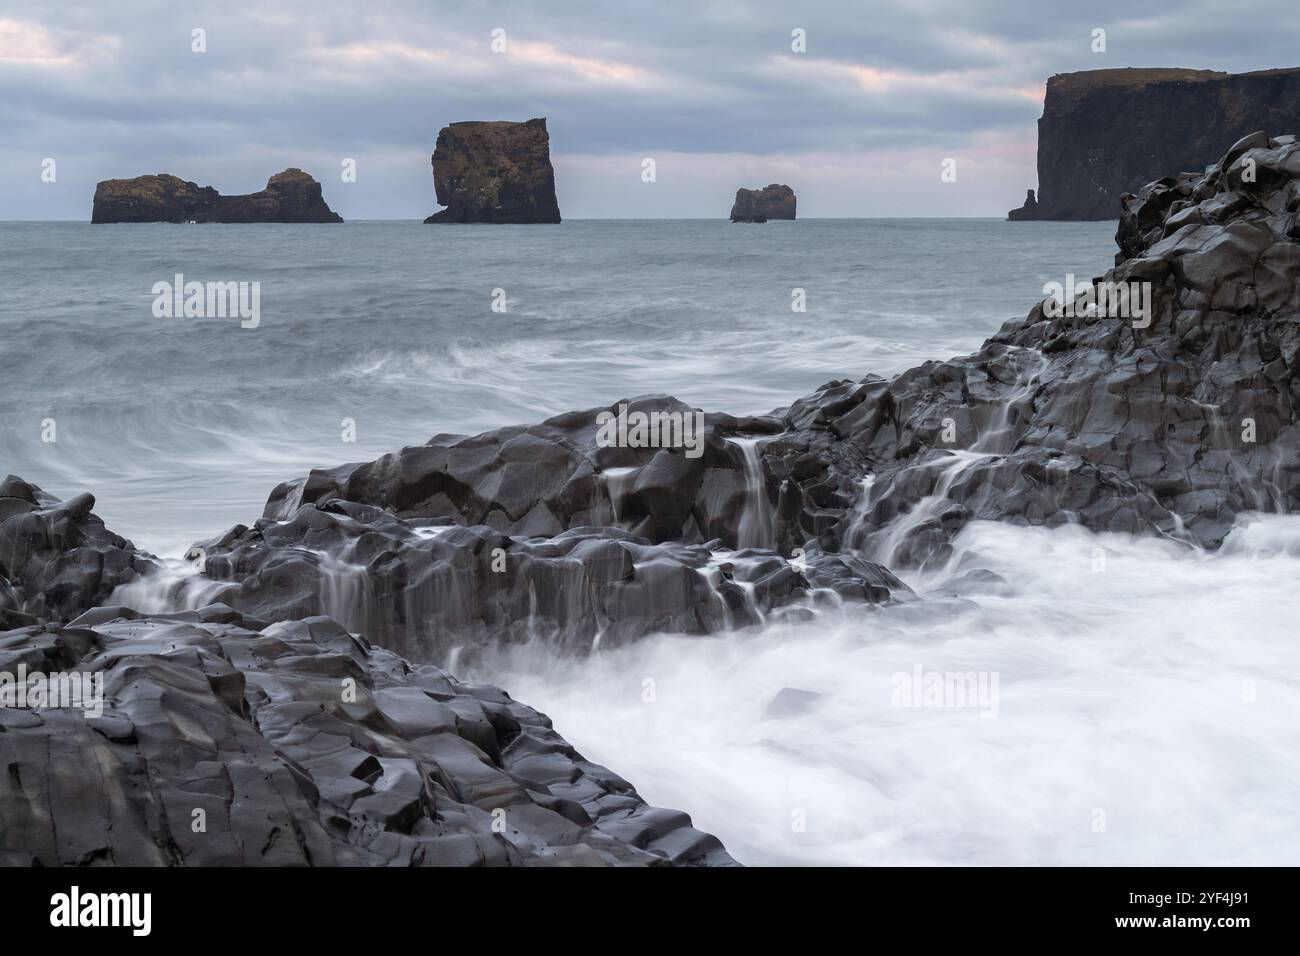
56	558
1175	423
290	196
1105	133
211	737
497	172
227	741
1026	213
759	205
543	479
423	590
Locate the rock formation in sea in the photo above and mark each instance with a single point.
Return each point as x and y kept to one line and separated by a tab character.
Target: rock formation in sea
1027	212
1105	133
290	196
306	662
495	172
776	201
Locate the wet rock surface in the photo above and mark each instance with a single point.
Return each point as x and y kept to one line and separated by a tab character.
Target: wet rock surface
431	591
1174	422
56	557
223	740
494	172
290	196
776	201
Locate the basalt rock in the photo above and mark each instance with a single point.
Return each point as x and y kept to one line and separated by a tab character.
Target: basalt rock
1027	212
541	480
1174	422
494	172
290	196
1105	133
426	590
56	557
293	744
759	205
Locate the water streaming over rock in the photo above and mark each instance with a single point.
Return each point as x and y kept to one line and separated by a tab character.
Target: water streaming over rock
755	526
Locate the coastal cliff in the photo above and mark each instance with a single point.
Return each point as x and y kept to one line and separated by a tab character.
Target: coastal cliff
494	172
1105	133
290	196
776	201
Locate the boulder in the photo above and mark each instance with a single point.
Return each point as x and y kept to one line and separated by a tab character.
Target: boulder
57	559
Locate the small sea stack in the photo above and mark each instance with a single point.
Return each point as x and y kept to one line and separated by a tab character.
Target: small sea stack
776	201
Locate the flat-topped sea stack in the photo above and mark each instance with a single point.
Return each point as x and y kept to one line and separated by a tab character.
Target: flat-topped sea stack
290	196
494	172
759	205
1105	133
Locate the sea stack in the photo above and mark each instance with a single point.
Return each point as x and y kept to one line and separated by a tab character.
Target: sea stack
759	205
494	172
290	196
1105	133
1027	212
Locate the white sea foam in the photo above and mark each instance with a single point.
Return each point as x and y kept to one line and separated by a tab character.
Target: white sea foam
1148	712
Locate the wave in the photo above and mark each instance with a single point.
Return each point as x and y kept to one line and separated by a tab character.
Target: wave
1146	711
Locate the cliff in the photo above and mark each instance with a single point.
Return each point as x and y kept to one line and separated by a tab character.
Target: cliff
776	201
290	196
1105	133
498	172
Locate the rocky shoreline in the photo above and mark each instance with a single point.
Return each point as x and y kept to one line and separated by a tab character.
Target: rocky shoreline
1171	417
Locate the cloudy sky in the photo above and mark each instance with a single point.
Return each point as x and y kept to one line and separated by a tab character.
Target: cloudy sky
859	124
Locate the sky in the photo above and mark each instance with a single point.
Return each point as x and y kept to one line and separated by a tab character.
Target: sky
859	122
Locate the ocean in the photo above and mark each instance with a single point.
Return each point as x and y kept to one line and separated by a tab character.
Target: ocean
1145	712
